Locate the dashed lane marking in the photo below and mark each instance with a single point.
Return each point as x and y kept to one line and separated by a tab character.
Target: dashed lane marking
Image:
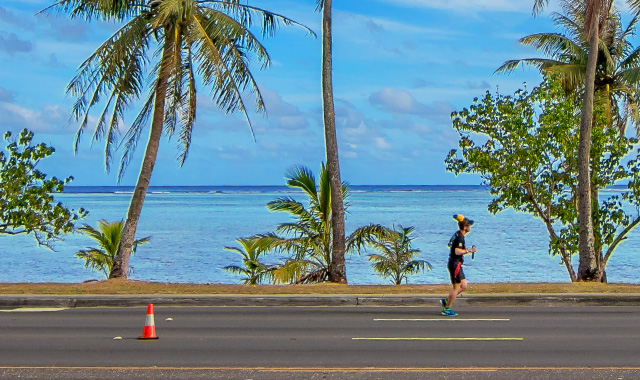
442	319
445	339
32	310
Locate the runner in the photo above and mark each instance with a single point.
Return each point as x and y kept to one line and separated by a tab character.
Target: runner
456	258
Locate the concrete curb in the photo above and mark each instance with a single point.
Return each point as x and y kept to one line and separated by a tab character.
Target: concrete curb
15	301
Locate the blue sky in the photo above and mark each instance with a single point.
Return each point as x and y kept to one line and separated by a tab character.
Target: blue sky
400	68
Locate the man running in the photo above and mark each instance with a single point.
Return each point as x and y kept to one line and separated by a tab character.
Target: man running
456	258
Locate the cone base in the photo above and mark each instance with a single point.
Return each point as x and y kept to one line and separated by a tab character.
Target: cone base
154	338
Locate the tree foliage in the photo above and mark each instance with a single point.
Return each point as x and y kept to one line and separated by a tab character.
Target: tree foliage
210	42
252	268
308	239
197	43
27	205
396	257
617	70
524	147
107	235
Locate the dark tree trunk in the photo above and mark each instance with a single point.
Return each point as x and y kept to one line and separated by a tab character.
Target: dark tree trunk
121	263
337	270
588	267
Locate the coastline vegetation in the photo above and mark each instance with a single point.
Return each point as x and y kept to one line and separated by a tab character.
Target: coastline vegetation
524	148
107	236
594	26
528	148
395	257
199	42
27	204
307	240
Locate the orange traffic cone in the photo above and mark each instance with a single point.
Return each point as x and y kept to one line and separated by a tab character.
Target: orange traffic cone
149	331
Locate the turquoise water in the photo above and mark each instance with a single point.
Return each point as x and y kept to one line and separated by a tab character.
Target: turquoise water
190	227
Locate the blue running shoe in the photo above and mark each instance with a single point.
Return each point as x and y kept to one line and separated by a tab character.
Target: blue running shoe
449	313
443	302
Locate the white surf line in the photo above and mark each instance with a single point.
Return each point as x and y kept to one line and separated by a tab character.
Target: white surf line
32	310
442	319
445	339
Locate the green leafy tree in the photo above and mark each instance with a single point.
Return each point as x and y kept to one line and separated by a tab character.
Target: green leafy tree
566	55
254	271
337	269
107	235
396	257
27	204
596	14
524	148
207	39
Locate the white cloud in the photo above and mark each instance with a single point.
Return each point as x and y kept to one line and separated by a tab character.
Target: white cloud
50	119
352	27
467	6
381	143
397	101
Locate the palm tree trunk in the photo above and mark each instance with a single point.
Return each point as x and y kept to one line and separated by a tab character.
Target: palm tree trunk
337	271
121	265
588	267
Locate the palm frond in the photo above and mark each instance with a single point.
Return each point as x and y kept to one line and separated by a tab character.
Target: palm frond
189	118
538	6
540	64
135	130
416	266
290	271
105	10
302	178
367	235
556	46
219	67
246	13
116	68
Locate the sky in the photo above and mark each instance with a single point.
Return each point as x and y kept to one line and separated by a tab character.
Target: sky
400	68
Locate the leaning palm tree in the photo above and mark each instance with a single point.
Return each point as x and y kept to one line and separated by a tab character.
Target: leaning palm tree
308	238
337	269
396	255
253	270
107	235
617	70
206	39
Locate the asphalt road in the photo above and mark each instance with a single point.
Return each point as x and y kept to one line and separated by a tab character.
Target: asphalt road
334	342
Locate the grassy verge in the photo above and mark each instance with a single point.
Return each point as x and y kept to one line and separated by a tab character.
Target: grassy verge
139	287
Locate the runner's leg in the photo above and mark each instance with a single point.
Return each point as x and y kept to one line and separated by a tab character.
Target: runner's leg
455	290
463	287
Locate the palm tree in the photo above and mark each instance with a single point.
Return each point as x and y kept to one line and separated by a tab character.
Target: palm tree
337	269
396	256
208	38
108	237
308	238
253	270
595	12
617	70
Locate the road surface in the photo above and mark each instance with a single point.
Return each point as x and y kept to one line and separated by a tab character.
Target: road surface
337	342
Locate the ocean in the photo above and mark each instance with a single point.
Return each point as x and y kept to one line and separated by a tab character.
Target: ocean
190	226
